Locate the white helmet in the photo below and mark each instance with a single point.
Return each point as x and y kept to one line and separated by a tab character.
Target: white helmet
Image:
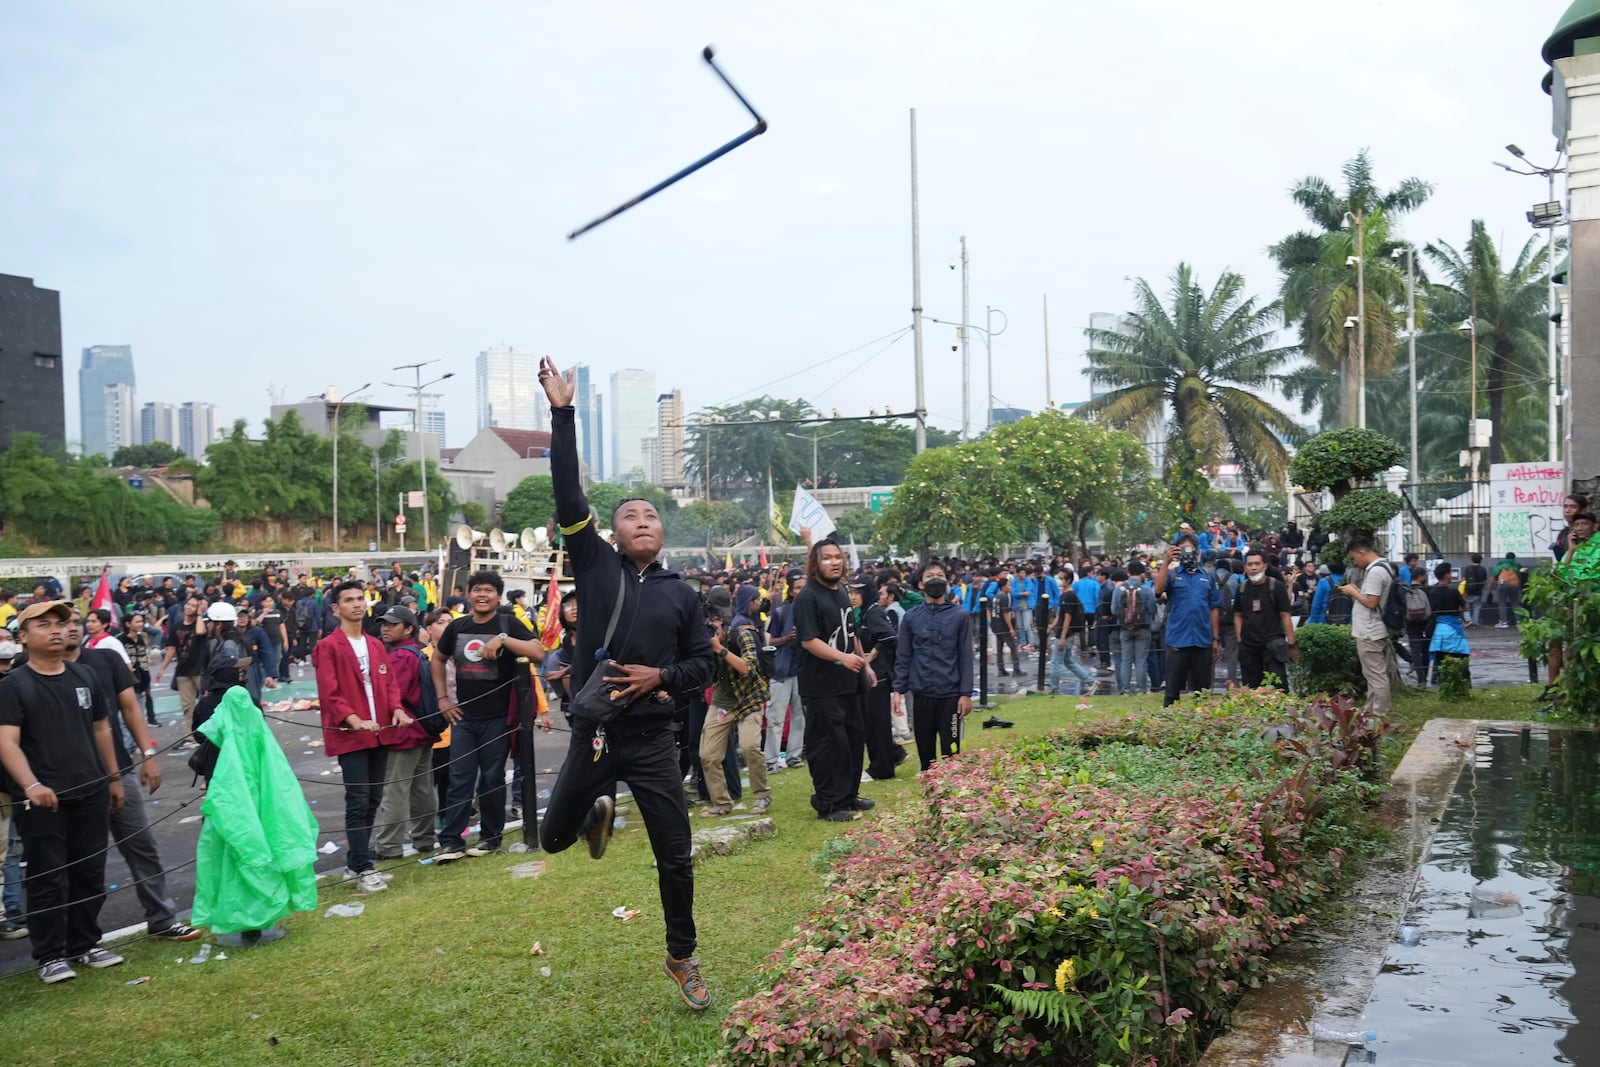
222	611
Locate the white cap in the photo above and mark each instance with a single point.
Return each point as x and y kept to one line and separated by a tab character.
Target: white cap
222	612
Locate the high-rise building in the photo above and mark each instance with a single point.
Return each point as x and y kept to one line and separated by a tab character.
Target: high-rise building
669	434
158	422
633	418
590	408
33	396
122	428
103	366
433	422
197	428
509	393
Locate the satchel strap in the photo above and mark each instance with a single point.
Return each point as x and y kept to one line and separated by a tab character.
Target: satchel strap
616	610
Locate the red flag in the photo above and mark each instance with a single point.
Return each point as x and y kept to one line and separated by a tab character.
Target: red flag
102	594
550	633
763	555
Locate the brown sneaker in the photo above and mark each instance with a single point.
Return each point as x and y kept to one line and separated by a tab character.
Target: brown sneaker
690	985
599	835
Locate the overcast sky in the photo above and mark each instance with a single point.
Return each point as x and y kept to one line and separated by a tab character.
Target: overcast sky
270	198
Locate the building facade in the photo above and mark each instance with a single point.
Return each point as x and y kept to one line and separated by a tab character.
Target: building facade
33	399
668	471
122	424
589	406
509	393
103	367
158	422
433	424
633	418
197	428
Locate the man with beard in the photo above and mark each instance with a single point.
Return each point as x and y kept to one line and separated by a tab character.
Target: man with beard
831	666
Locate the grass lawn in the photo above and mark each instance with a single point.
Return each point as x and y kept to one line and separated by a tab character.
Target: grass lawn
438	971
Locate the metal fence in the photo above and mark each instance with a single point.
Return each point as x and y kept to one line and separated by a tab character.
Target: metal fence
1448	519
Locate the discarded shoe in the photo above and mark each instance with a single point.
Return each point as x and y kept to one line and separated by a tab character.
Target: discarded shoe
995	721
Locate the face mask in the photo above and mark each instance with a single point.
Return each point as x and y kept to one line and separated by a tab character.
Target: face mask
1257	579
935	588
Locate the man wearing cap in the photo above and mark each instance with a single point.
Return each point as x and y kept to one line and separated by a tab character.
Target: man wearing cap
784	702
409	804
56	750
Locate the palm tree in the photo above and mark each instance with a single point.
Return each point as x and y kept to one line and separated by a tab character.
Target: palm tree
1319	287
1196	370
1507	307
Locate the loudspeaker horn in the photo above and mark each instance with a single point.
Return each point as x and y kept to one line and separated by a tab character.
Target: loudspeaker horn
497	539
530	537
466	537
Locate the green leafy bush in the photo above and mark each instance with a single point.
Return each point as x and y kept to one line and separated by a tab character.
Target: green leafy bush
1100	895
1455	681
1360	511
1328	662
1338	459
1558	606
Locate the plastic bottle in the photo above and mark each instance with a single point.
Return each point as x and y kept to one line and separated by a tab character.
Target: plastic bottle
1339	1036
1410	935
203	955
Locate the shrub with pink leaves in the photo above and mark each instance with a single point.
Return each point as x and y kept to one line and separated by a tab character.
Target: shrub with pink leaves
1101	895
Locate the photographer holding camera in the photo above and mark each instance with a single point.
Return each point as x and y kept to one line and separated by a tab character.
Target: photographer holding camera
1193	634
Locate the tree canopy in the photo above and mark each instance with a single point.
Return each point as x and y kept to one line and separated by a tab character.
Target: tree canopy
154	454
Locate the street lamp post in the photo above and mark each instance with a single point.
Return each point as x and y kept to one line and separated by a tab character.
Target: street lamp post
989	334
1469	327
1547	216
416	427
814	438
338	400
1411	333
1353	218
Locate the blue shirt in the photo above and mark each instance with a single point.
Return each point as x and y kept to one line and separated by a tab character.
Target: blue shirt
1052	589
1025	591
1190	598
1088	591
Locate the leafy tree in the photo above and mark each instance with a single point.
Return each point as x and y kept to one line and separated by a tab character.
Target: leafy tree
705	522
1196	369
1344	462
858	525
474	514
154	454
1319	283
531	502
742	455
954	495
1067	473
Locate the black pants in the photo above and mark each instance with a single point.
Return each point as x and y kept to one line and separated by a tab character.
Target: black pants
363	791
282	652
1188	668
648	762
835	739
1254	663
141	692
936	716
882	752
441	776
1102	641
478	752
66	882
1002	641
1417	639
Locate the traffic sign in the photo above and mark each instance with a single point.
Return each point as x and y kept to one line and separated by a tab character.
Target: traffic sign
400	523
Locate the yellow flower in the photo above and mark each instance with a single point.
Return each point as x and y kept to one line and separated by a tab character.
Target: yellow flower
1065	974
1054	912
1097	844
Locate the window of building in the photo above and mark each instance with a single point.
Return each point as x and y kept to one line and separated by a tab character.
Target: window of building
42	360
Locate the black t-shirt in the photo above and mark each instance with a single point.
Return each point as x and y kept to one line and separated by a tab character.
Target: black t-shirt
111	677
1446	600
57	724
1475	575
1259	607
271	622
477	679
190	658
823	614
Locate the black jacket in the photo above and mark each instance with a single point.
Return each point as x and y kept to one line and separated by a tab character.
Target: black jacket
662	623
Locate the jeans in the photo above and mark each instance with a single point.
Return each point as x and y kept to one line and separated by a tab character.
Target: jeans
1188	668
66	873
1156	663
11	869
936	717
784	700
835	741
1230	655
649	763
409	806
130	829
1002	641
480	773
363	792
1065	658
1130	669
1025	625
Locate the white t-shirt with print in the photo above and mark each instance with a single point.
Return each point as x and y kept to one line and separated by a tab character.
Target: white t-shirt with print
358	645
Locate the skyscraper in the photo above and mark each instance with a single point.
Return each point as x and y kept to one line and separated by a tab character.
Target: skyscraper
197	428
122	427
633	418
509	394
433	421
33	399
669	435
158	422
590	409
103	366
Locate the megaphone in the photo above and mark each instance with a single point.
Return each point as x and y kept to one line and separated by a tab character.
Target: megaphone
530	538
466	537
497	539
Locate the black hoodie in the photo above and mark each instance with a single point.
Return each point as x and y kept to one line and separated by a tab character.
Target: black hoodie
662	623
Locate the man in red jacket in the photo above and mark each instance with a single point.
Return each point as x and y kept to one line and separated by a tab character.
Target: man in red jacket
360	706
409	805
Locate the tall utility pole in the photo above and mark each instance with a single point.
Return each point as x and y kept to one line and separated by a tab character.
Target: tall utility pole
1048	402
416	427
988	352
1355	219
338	400
966	361
916	294
1411	334
1548	216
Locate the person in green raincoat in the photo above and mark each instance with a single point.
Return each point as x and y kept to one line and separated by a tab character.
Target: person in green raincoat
256	859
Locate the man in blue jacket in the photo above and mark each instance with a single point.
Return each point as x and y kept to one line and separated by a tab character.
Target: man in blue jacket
1193	632
933	665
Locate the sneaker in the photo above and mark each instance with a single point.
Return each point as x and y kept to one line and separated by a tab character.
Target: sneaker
11	930
840	816
762	804
369	882
97	958
794	761
691	987
484	848
450	854
178	932
599	835
53	971
715	812
863	803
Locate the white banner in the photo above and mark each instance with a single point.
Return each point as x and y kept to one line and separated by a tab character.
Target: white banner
1525	507
807	512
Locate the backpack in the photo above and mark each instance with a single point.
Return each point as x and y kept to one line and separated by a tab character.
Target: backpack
1418	609
1133	611
305	613
1510	577
1394	602
766	655
1229	590
429	717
